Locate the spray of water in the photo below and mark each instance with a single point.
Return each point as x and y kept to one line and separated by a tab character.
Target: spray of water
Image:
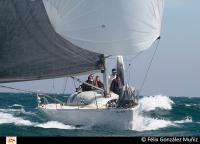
6	118
140	122
143	123
187	119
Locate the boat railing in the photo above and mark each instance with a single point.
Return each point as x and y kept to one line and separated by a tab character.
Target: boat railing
128	97
44	99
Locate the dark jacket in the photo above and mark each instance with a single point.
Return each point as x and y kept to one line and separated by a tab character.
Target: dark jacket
86	87
115	86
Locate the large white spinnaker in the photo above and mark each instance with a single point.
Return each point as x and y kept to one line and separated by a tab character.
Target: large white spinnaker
111	27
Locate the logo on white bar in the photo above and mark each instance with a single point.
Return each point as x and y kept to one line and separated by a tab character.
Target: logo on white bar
11	140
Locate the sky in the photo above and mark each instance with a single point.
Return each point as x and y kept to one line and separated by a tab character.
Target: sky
175	70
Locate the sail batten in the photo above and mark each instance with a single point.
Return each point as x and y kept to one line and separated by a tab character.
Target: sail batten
30	49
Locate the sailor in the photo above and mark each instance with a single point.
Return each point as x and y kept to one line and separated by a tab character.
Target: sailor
116	85
90	80
98	82
112	76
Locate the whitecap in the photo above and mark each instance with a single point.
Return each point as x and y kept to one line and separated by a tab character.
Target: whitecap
144	123
188	105
9	118
149	103
16	105
6	118
187	119
55	124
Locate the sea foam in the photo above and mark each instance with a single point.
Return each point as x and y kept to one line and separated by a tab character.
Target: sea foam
187	119
150	103
55	124
6	118
9	118
140	122
143	123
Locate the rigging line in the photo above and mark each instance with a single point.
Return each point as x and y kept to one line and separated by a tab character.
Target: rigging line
31	92
23	90
150	63
52	87
65	85
128	70
8	87
133	58
74	84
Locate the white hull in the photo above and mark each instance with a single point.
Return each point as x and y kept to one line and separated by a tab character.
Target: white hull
105	118
95	113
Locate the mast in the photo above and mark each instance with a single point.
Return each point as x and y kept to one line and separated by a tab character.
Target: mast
121	69
105	78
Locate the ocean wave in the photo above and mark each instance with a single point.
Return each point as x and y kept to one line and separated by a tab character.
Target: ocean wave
10	110
6	118
16	105
150	103
13	108
55	124
187	119
143	123
189	105
9	118
21	110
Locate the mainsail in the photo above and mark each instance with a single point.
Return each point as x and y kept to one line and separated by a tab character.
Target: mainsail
111	27
30	49
42	39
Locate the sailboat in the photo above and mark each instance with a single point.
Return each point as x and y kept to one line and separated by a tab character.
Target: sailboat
45	39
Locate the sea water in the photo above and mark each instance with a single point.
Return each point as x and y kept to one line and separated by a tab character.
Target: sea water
157	115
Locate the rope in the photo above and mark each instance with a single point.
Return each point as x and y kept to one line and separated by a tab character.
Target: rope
8	87
53	86
133	58
74	84
53	91
65	85
129	76
150	63
55	99
128	71
32	92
